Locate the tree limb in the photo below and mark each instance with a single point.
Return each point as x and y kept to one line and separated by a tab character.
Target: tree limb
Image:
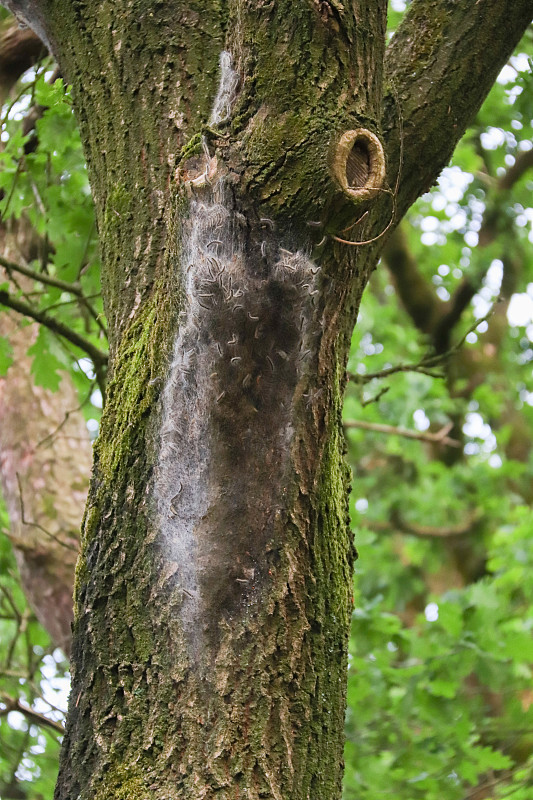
430	314
14	704
19	50
440	437
416	293
72	288
523	162
98	357
489	230
397	523
440	66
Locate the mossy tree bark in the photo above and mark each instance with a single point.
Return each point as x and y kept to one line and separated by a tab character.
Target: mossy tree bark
213	590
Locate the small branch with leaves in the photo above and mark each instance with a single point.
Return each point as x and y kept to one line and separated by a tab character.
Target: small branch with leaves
97	356
13	704
75	289
427	364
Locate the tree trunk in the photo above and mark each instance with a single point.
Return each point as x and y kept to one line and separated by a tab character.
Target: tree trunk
213	596
231	146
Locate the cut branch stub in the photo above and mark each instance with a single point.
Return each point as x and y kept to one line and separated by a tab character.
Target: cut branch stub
359	164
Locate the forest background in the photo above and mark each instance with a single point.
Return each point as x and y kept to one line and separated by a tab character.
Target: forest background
438	416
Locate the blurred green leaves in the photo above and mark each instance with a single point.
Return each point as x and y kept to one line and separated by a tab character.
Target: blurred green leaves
440	693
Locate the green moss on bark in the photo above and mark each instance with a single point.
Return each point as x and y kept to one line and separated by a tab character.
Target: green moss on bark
135	384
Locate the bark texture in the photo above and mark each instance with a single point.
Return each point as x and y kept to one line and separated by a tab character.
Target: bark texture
213	592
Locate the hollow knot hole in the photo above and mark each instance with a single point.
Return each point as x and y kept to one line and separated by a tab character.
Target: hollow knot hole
357	166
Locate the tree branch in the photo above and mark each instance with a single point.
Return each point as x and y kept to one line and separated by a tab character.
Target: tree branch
416	293
440	66
440	437
427	364
14	704
523	162
19	50
19	544
397	523
12	266
429	314
31	13
489	230
425	367
72	288
453	311
98	357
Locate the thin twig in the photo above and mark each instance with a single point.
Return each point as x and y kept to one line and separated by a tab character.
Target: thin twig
11	648
65	286
381	233
394	194
12	189
18	618
15	101
39	696
97	356
50	436
7	594
94	313
440	437
422	367
36	524
398	524
38	199
375	398
86	250
426	364
16	761
14	704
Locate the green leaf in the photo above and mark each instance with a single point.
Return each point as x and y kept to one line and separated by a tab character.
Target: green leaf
443	688
46	364
6	358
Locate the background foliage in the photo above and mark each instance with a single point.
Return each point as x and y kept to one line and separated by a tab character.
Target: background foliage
440	695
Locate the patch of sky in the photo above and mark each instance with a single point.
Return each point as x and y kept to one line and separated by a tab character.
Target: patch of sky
421	421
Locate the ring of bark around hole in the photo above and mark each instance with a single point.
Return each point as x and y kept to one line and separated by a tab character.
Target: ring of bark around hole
359	164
